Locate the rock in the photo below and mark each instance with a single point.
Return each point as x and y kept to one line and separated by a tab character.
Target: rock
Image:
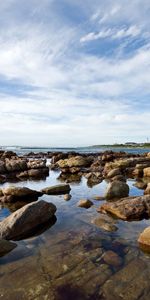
147	191
76	161
2	167
117	189
26	219
34	173
130	208
119	178
147	172
65	177
6	247
85	203
57	189
14	165
67	197
112	258
140	185
144	239
105	222
98	198
2	179
13	193
113	173
129	283
36	164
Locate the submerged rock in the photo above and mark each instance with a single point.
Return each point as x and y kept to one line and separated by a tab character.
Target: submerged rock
26	219
129	283
57	189
144	239
130	208
85	203
6	247
105	222
117	189
112	258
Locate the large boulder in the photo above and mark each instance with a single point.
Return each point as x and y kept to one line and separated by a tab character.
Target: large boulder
144	239
116	190
57	189
25	219
130	208
12	194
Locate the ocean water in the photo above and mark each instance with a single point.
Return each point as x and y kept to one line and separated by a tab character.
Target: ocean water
72	258
24	150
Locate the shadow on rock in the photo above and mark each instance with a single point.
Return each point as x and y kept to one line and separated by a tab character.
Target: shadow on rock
38	230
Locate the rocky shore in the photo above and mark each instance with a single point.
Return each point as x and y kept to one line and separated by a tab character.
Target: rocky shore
113	167
84	259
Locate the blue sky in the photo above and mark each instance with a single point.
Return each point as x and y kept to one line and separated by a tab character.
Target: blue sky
74	72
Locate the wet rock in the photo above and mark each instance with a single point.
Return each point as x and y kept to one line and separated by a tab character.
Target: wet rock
140	185
26	219
6	247
67	197
105	222
130	208
130	283
144	239
85	203
65	177
98	198
112	258
117	189
12	194
57	189
147	191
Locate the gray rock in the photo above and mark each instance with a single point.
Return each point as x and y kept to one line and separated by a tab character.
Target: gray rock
57	189
26	219
116	190
13	193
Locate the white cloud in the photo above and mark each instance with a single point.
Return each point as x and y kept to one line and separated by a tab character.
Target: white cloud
70	92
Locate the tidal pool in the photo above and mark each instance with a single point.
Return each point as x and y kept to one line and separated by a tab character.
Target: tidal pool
74	258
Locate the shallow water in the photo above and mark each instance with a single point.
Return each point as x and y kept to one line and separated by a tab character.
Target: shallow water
67	261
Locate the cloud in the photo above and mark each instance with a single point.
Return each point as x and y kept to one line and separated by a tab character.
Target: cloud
132	31
56	86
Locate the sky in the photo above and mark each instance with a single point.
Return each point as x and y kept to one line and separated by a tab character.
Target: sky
74	72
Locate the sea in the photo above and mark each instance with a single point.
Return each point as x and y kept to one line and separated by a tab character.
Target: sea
24	150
